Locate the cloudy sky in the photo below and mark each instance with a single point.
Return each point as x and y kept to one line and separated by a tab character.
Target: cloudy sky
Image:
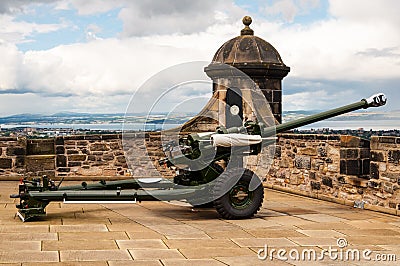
91	56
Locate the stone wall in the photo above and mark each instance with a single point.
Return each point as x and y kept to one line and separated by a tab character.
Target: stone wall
385	171
89	157
342	169
306	163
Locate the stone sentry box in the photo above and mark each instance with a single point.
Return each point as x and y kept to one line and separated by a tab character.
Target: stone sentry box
255	57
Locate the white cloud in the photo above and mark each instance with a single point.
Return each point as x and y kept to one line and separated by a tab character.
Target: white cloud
370	11
91	7
19	31
9	66
153	17
91	32
15	6
318	99
164	17
333	48
100	67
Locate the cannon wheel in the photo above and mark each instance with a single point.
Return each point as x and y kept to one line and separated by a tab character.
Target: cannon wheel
238	202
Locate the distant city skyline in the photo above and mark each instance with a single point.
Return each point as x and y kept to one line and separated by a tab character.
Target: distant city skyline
91	56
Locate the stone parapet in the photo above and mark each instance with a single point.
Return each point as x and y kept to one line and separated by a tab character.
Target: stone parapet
343	169
385	171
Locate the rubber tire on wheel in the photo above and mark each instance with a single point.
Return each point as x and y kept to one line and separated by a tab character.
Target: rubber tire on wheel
224	204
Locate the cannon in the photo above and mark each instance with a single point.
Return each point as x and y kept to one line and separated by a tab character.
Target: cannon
209	171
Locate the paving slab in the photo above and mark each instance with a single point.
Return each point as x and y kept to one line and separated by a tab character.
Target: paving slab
141	244
369	232
202	235
126	226
205	252
94	255
292	210
249	261
320	218
79	228
369	224
174	229
314	241
288	220
194	243
135	263
352	215
192	262
253	223
275	233
238	233
92	236
261	242
28	256
264	212
326	262
373	240
145	235
152	254
85	220
86	244
67	263
326	226
27	236
391	247
20	245
319	233
24	228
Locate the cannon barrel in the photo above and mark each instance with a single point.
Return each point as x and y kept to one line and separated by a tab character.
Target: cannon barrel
376	100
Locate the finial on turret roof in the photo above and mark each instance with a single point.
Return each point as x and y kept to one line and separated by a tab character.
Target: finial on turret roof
246	31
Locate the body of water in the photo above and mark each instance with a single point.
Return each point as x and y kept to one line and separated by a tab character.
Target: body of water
111	127
356	124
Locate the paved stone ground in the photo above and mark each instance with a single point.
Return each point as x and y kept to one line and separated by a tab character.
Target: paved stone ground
156	233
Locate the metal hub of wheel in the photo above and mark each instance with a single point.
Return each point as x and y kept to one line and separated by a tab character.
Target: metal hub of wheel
240	196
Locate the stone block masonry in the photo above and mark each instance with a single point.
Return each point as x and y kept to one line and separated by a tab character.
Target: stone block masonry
385	171
306	163
343	169
81	157
90	155
12	156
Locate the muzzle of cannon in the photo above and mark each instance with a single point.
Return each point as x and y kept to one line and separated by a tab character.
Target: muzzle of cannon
200	161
